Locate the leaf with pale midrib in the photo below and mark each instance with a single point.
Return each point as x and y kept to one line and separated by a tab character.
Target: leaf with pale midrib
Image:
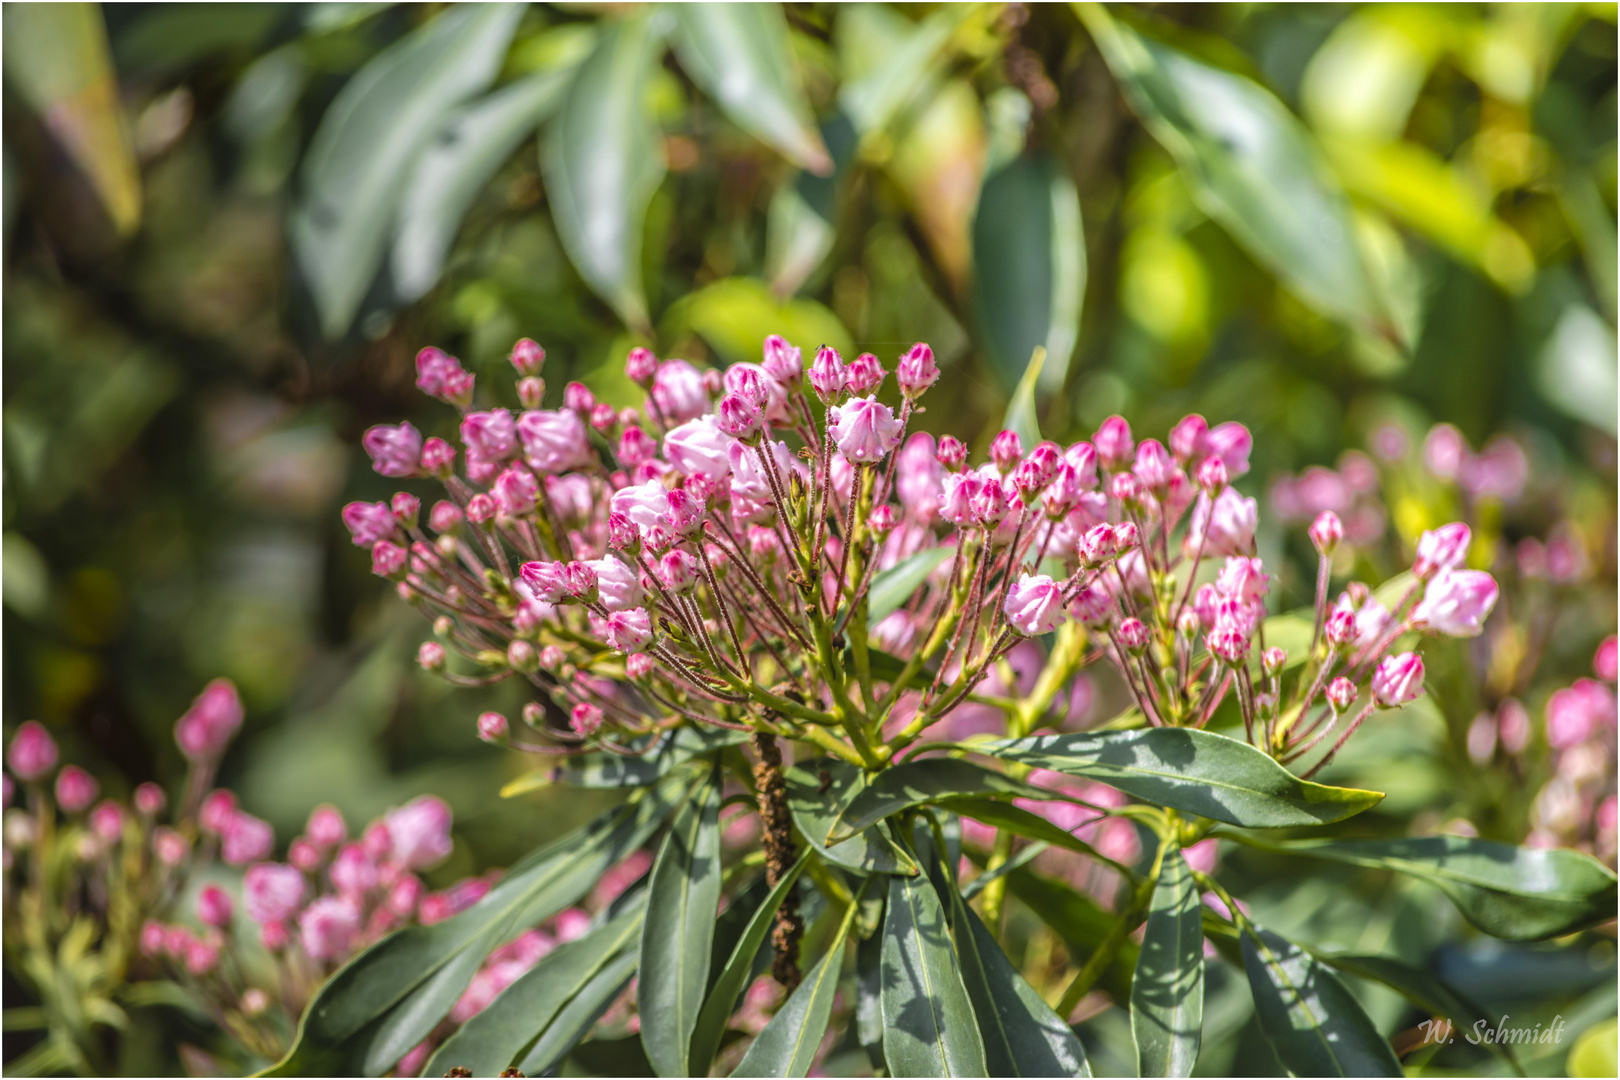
1167	993
1314	1024
929	1027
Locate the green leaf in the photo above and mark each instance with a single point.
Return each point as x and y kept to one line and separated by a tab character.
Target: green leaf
928	1023
504	1031
684	896
603	770
57	60
1079	922
894	586
924	781
1025	855
1022	415
1029	263
1016	819
1251	165
370	139
814	811
742	56
722	1000
1517	893
735	315
1167	992
877	96
346	1028
457	166
602	160
1022	1035
869	1000
575	1019
1195	771
1291	632
1315	1025
787	1046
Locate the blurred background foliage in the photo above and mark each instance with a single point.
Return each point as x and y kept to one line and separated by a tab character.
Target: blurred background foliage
228	229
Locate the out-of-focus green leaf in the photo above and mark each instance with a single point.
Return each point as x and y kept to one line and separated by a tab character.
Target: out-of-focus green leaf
603	159
1029	266
1575	369
787	1046
1314	1024
741	55
458	165
797	239
1022	416
917	782
869	999
736	315
938	161
370	139
1167	992
1196	771
894	586
505	1029
816	792
683	897
1517	893
1291	632
722	1000
57	60
877	96
1252	166
929	1027
1080	922
606	770
353	1023
169	37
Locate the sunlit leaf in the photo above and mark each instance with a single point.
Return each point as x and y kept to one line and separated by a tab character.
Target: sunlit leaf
875	97
1314	1024
788	1045
929	1027
1167	993
736	315
917	782
1022	416
817	791
608	770
893	587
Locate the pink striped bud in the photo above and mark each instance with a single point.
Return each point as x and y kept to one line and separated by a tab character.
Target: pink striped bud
579	582
827	375
445	518
430	656
1231	443
629	631
1272	661
32	753
658	539
1439	549
1034	605
864	375
1340	629
678	571
1063	494
1341	694
685	514
917	371
527	356
552	658
1187	438
492	727
406	507
150	800
1153	466
326	827
763	544
1212	476
481	509
1096	546
782	362
1126	488
1083	456
520	656
1092	605
395	450
1133	634
1326	532
1125	536
531	392
438	458
369	522
1398	680
75	789
639	665
578	399
636	447
1114	443
216	811
640	365
1229	644
170	847
388	560
882	521
586	719
214	906
988	505
739	418
622	534
246	839
604	417
1005	450
515	491
547	580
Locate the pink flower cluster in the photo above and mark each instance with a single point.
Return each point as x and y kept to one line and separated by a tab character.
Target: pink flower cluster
1576	806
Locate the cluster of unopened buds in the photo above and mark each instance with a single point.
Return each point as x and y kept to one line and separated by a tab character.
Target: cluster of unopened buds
772	548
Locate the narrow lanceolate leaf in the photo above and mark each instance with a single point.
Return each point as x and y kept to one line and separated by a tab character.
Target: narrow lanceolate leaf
875	98
1195	771
722	1000
1314	1024
817	791
683	897
918	782
603	770
869	1000
895	586
742	56
1517	893
1167	994
1016	819
573	1022
370	139
456	166
500	1035
351	1026
787	1046
1252	166
929	1028
1022	1035
602	162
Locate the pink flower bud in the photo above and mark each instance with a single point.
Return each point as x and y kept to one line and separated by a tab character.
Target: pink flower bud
1125	536
326	828
827	375
883	521
578	399
763	545
430	656
527	356
305	855
1212	476
1005	450
638	666
1603	661
201	957
214	906
640	365
214	717
1187	438
369	522
554	441
782	362
951	453
679	392
1114	443
445	518
636	447
246	839
1189	624
150	800
405	509
1133	634
1456	603
1341	694
865	430
699	447
917	370
170	847
739	418
658	540
1326	532
1126	488
864	375
1228	529
329	926
604	417
1092	605
419	833
433	368
580	582
678	571
685	515
32	753
107	821
394	450
489	436
1229	644
1398	680
1153	465
438	458
388	560
1063	494
1439	549
548	581
1444	450
75	789
492	727
1340	629
586	719
273	936
152	938
988	505
515	491
552	657
629	631
1083	457
1243	579
1096	546
1231	443
1034	605
520	656
217	809
1272	661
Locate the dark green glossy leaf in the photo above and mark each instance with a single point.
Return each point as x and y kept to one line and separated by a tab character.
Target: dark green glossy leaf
1079	922
1029	270
1022	858
895	586
1195	771
1022	1035
1016	819
1518	893
675	938
602	162
1314	1024
349	1026
604	770
869	998
1022	415
928	1023
573	1022
924	781
815	809
456	167
742	57
370	139
787	1046
1167	993
1252	166
733	979
504	1031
